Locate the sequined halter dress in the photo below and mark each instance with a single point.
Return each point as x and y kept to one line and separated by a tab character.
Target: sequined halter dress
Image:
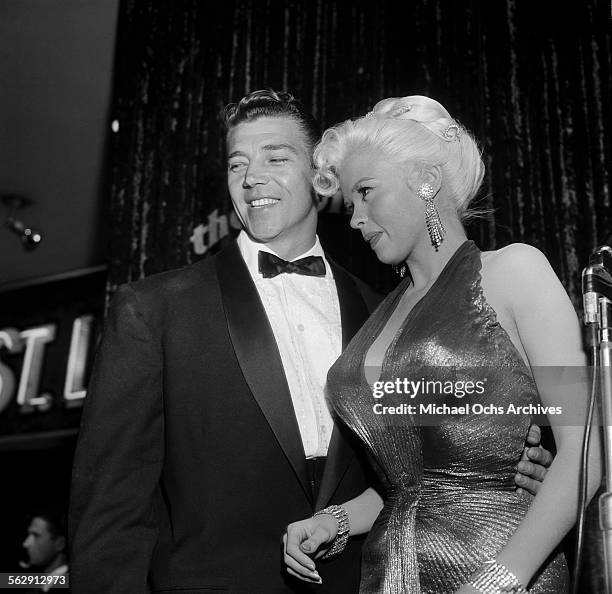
447	479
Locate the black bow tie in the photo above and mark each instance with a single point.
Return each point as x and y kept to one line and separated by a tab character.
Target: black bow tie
271	265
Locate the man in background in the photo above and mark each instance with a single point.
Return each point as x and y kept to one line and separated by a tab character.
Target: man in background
45	546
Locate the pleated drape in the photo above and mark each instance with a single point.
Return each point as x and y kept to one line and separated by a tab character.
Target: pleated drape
530	79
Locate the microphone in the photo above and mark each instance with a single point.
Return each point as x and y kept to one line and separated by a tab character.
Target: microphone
596	282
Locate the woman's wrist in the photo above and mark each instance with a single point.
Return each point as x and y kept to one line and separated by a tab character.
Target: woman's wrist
340	515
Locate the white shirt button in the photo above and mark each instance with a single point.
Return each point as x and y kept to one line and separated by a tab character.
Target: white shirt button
300	327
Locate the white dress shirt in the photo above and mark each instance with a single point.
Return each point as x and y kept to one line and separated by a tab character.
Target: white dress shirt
61	570
304	313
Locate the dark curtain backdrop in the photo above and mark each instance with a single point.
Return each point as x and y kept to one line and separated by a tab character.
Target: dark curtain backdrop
531	79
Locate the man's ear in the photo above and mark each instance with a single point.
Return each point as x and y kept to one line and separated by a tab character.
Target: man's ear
60	543
317	200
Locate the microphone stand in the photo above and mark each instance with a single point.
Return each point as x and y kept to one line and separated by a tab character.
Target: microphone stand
605	499
599	284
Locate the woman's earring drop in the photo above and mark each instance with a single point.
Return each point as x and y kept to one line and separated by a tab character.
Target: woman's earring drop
400	269
435	228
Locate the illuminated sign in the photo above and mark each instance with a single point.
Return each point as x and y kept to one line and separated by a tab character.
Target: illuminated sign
31	343
48	333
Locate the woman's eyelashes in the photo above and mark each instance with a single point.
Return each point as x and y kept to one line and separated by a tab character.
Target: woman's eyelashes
363	191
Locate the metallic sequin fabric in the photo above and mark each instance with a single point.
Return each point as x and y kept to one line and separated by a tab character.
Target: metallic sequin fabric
447	479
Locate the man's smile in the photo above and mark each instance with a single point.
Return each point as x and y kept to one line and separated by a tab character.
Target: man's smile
261	202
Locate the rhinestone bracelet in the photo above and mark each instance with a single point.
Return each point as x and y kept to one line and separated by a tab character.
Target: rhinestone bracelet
494	578
338	544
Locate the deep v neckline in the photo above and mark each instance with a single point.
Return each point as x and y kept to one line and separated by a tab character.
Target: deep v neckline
401	289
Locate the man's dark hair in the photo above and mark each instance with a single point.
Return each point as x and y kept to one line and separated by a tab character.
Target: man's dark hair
55	519
270	103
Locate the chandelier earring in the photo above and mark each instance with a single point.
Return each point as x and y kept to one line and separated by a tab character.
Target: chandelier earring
435	228
400	269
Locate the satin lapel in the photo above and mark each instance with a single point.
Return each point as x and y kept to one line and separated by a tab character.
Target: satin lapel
353	313
258	356
353	309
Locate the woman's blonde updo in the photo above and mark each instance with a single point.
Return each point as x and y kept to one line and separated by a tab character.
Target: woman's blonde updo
415	131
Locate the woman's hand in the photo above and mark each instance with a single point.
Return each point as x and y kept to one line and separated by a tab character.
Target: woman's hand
306	540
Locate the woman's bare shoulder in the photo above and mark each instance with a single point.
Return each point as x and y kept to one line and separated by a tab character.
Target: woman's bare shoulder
520	263
516	255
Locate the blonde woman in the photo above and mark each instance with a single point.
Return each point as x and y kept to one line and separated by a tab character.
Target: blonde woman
447	517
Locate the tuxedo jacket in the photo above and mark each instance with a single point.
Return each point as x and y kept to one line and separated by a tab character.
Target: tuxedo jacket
189	462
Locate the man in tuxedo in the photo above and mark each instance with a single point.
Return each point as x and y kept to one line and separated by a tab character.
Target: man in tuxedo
205	429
